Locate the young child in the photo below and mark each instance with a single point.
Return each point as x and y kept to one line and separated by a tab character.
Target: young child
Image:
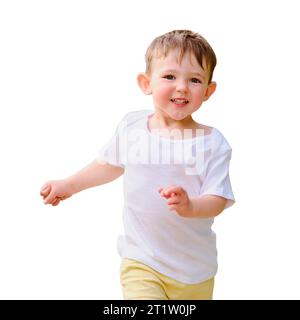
176	176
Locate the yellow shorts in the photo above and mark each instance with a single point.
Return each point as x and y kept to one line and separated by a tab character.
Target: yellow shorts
140	282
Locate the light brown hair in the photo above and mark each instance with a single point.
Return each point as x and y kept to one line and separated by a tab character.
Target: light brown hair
185	41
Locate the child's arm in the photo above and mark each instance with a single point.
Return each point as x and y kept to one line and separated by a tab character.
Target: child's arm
205	206
95	174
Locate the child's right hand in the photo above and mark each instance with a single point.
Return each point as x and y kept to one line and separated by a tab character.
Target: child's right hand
55	191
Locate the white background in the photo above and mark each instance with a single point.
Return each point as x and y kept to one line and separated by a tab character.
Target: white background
67	77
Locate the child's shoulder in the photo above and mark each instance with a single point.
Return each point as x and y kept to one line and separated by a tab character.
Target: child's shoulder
132	117
218	141
137	114
205	130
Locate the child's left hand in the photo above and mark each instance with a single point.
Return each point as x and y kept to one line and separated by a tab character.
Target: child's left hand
177	200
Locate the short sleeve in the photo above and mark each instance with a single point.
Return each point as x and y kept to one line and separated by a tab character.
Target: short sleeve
115	151
111	151
216	178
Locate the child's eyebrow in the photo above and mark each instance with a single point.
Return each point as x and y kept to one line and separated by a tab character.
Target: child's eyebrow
198	75
169	71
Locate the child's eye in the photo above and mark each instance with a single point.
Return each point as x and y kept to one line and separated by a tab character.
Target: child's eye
195	80
169	77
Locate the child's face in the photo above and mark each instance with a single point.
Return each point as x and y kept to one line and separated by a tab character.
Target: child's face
178	90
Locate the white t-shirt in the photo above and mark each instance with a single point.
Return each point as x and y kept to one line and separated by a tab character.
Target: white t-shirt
181	248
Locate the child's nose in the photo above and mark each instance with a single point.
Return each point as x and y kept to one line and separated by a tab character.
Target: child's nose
181	86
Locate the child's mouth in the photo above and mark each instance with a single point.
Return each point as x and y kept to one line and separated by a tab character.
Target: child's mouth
180	102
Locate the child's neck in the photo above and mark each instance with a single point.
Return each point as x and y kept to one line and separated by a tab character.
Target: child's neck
164	123
159	121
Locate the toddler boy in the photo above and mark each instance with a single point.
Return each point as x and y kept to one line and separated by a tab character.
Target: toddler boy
176	176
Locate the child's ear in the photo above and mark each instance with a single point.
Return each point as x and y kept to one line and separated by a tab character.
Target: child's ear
211	88
144	83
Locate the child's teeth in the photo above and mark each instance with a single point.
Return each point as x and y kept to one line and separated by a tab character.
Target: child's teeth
180	101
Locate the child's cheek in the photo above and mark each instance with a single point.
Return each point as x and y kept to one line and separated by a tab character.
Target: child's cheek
198	96
164	93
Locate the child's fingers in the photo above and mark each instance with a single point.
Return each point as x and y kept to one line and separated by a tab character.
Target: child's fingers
56	202
50	198
173	190
45	186
173	200
45	190
163	193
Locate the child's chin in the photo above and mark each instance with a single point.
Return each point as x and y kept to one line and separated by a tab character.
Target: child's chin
179	115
